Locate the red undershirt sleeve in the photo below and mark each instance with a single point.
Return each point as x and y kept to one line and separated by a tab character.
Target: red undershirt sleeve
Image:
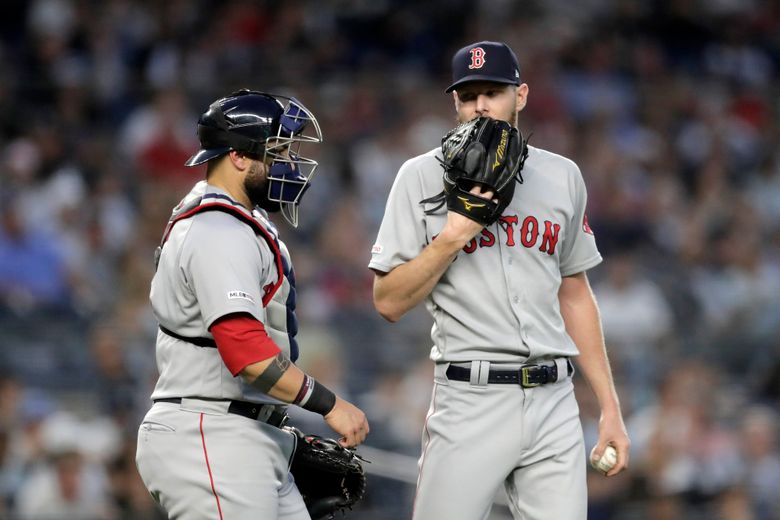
241	341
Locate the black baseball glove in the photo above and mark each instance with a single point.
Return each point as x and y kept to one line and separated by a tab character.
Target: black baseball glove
481	151
329	476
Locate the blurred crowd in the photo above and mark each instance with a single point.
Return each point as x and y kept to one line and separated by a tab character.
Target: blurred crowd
670	108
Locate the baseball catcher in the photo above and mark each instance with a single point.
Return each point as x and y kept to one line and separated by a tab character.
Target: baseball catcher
226	352
329	476
482	151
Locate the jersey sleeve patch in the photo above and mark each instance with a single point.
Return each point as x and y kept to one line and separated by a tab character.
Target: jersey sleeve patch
376	249
585	226
240	295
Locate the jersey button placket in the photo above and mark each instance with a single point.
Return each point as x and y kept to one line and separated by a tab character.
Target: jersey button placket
518	300
509	276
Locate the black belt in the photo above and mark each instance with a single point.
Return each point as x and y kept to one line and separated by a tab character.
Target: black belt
244	408
527	376
201	342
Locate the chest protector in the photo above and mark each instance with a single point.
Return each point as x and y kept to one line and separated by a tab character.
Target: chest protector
211	202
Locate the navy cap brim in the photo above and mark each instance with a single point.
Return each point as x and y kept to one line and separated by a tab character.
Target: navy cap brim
202	156
480	77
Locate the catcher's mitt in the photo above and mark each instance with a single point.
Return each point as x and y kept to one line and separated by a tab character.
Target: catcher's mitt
329	476
481	151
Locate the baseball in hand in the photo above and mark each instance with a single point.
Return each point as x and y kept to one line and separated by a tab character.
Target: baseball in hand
607	461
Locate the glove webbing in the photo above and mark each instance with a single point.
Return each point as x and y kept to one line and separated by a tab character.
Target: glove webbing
440	199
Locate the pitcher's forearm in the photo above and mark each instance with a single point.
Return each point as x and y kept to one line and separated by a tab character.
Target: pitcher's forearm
583	323
400	290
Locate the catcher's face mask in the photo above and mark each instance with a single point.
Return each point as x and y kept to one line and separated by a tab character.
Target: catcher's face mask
290	172
269	126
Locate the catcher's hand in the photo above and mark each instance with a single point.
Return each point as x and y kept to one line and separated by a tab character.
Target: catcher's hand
487	153
329	476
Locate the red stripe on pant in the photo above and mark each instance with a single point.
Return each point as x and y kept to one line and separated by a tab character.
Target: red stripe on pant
425	448
208	466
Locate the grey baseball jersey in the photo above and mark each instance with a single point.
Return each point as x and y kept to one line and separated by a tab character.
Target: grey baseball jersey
211	265
498	301
197	455
497	305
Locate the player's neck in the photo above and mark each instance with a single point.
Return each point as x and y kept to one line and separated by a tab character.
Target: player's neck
232	185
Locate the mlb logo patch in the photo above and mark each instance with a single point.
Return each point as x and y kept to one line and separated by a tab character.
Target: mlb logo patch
240	295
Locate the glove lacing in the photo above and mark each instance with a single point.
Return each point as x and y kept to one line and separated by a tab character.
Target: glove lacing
440	199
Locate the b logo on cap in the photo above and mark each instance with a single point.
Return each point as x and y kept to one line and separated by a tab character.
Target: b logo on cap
477	58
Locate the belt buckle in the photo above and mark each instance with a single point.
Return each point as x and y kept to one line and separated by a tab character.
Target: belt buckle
524	376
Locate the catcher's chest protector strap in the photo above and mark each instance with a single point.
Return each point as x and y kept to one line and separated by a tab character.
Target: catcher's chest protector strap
269	290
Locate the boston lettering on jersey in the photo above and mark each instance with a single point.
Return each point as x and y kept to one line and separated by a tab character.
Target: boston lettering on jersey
530	233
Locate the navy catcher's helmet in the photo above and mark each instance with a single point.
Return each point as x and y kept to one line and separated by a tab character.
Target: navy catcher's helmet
269	126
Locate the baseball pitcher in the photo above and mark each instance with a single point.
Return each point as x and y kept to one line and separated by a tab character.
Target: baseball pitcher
491	233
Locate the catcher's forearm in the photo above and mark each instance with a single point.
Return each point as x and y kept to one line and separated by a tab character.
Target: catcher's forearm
276	376
281	379
400	290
